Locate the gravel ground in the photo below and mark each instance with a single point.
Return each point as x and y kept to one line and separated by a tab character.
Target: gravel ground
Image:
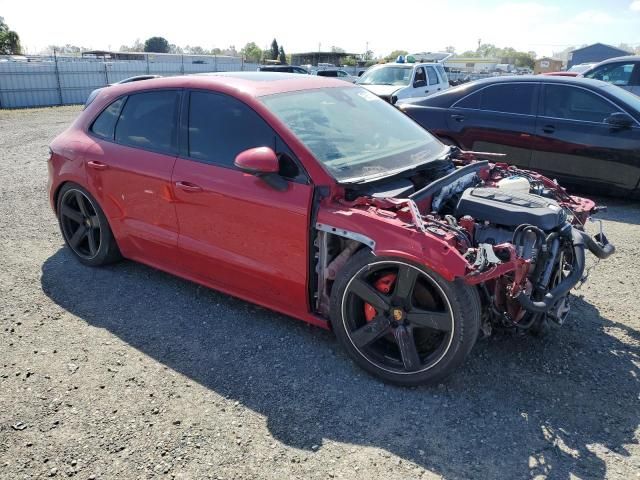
126	372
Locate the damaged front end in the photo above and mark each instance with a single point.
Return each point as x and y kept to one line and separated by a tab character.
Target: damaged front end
514	234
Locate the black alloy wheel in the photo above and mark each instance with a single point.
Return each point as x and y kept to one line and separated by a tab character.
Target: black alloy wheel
413	325
80	224
403	322
84	227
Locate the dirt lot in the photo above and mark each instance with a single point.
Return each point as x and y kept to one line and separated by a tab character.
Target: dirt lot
126	372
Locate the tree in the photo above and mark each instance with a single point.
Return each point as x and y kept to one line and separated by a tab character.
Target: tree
335	49
349	61
450	49
9	40
231	51
281	55
175	49
275	51
156	45
395	54
251	52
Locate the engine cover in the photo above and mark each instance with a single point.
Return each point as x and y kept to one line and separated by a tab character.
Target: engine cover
510	209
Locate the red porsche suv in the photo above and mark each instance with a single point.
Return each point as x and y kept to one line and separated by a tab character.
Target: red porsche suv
317	199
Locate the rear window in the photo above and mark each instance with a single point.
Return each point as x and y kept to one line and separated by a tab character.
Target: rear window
148	120
328	73
506	98
104	125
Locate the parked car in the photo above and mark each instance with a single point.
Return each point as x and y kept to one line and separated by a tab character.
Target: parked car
336	73
310	197
395	81
283	69
623	72
562	73
580	68
136	78
583	132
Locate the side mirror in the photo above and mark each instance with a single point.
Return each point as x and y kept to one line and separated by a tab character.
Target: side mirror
393	100
263	163
619	120
419	83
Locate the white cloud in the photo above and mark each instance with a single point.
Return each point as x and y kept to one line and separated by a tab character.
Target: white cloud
635	6
597	17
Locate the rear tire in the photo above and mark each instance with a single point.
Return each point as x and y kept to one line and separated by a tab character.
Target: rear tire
85	227
417	333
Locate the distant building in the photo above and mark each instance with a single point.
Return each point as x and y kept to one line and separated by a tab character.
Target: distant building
594	53
314	58
546	65
472	64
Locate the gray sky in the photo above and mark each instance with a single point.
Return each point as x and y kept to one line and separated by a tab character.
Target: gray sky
543	26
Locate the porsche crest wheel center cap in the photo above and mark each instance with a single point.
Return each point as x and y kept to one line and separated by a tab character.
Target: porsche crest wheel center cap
397	314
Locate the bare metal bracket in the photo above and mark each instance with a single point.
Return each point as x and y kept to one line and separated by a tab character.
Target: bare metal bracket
347	234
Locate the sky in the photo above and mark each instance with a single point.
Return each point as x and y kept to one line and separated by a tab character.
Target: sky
424	25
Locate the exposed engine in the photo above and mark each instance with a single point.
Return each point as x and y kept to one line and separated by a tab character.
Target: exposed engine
521	234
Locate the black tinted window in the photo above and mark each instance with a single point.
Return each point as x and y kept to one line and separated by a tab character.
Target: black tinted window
512	98
328	73
574	103
220	127
105	123
148	120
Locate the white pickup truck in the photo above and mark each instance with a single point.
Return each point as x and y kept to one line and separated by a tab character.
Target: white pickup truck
395	81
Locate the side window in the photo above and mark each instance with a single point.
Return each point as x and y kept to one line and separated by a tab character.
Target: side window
420	75
616	73
220	127
471	101
105	124
433	76
575	104
509	98
341	73
148	120
443	73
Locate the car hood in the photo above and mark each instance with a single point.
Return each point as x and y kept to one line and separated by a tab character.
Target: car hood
382	90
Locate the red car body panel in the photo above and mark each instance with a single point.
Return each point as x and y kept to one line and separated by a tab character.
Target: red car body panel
254	241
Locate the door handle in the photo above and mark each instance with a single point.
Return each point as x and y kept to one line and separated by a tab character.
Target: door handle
188	187
458	118
426	91
97	165
548	129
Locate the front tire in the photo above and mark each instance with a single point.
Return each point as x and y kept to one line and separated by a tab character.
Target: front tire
401	321
85	228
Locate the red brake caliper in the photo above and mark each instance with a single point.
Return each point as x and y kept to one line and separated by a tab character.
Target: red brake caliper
383	285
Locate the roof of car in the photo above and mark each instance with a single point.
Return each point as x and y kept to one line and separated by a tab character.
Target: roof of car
625	58
255	84
536	78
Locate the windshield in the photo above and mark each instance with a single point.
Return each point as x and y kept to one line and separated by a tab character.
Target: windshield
356	135
583	67
386	75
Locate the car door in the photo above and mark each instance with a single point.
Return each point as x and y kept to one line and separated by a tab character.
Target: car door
499	118
237	233
625	74
435	85
577	146
419	86
129	168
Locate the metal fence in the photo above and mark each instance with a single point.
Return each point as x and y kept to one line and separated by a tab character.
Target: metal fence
67	80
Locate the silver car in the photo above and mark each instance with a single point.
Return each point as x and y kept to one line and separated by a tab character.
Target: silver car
621	71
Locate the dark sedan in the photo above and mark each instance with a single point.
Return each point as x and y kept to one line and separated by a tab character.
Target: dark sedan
585	133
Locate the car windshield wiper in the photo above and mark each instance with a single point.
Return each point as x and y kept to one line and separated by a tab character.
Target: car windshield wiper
392	173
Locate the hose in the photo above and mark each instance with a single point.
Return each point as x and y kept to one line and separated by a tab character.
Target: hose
580	240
